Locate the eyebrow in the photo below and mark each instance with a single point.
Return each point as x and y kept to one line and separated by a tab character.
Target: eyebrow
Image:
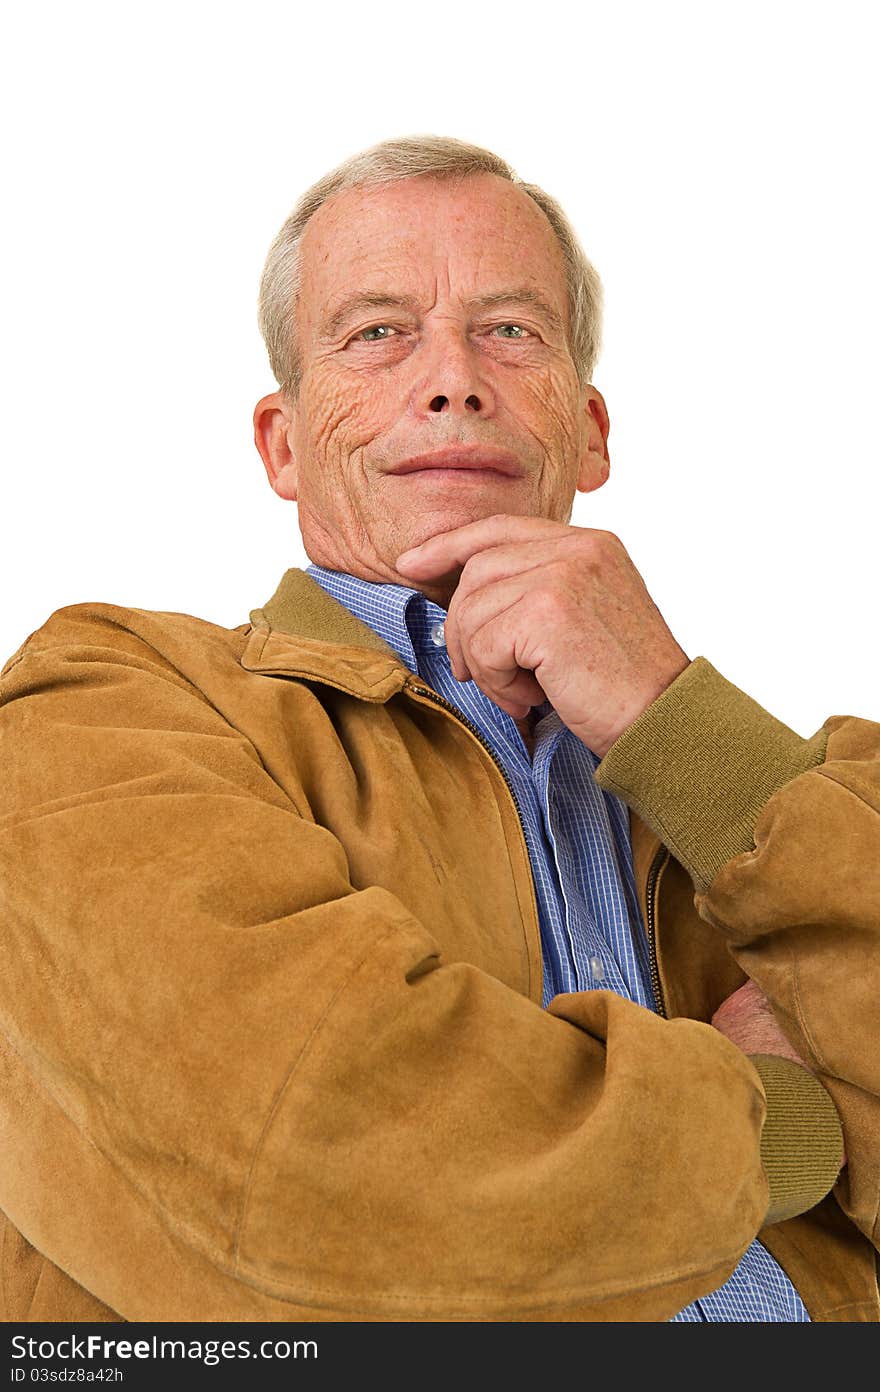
380	299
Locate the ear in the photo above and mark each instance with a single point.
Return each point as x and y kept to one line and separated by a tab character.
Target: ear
273	428
595	463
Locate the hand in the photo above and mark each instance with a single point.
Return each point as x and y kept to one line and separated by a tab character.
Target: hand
546	611
747	1020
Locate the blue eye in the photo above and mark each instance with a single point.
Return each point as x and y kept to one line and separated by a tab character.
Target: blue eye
373	329
386	330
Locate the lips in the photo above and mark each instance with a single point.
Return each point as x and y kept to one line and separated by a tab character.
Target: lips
483	457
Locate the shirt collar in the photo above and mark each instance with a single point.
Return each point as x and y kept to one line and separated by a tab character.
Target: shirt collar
405	618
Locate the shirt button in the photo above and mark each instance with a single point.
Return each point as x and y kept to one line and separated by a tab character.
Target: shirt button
438	634
597	971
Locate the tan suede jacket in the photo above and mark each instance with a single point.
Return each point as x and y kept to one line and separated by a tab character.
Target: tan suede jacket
272	1037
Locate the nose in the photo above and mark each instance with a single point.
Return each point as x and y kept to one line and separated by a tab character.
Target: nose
442	403
452	378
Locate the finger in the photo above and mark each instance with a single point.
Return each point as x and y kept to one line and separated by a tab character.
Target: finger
507	560
490	655
483	571
446	550
514	690
470	612
472	605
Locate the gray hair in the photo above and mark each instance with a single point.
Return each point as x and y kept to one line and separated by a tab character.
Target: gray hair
411	157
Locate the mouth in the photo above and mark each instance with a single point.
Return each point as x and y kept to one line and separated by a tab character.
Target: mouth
456	475
463	461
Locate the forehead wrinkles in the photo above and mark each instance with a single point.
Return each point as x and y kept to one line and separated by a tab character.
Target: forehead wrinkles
421	229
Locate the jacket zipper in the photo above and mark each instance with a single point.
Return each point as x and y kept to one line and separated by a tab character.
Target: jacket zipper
453	710
447	705
651	901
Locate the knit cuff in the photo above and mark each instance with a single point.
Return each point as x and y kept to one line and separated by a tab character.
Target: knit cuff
700	763
802	1139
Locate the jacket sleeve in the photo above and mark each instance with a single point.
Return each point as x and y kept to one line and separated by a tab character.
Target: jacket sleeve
781	837
235	1087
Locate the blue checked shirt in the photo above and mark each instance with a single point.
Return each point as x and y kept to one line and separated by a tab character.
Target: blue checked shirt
578	841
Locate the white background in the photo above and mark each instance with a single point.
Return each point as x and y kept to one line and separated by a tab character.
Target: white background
719	162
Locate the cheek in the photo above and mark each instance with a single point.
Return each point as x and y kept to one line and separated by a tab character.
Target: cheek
553	408
339	417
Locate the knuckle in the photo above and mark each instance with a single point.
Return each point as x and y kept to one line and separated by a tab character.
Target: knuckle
599	542
475	568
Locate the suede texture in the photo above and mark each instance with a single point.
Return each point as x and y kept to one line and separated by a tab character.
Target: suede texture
273	1045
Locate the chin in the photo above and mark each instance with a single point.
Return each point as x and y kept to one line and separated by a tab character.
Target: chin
446	515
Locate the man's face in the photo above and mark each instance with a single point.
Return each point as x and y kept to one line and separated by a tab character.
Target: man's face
385	382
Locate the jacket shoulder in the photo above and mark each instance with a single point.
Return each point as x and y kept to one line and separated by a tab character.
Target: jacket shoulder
98	624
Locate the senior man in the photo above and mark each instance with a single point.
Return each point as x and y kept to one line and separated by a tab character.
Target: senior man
444	943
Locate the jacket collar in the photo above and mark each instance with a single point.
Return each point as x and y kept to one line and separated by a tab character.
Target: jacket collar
303	631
